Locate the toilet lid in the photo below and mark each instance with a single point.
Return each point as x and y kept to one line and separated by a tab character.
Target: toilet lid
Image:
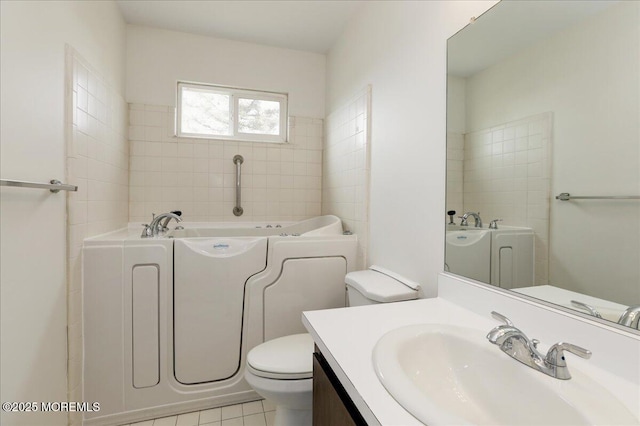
284	356
380	287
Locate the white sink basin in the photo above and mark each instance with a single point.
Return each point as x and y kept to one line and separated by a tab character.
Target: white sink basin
451	375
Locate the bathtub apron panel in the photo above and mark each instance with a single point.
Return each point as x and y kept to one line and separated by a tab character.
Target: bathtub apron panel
304	285
145	322
209	279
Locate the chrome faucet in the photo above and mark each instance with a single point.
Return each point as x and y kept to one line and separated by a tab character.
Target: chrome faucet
476	216
156	227
631	317
517	345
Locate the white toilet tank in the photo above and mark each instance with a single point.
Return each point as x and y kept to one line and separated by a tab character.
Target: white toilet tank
378	285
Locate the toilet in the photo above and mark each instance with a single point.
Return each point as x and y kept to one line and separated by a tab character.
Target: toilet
281	369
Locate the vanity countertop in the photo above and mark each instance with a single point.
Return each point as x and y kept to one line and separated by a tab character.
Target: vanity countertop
347	336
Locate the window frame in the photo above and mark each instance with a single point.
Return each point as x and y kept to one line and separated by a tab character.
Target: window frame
234	95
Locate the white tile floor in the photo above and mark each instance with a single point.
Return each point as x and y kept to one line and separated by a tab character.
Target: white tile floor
256	413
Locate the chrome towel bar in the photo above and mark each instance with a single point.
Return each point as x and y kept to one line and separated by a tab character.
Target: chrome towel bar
238	160
54	185
565	196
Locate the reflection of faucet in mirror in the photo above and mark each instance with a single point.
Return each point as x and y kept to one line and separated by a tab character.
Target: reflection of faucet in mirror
592	311
631	317
476	216
517	345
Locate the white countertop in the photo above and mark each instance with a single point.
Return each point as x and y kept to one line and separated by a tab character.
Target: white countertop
347	337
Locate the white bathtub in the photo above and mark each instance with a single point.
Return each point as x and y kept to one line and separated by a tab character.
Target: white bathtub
317	226
168	321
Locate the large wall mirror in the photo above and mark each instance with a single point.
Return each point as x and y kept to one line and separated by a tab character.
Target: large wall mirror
544	100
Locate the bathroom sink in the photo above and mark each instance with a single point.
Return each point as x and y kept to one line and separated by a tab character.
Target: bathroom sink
449	375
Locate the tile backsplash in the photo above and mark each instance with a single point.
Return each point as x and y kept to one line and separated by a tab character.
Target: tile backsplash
197	176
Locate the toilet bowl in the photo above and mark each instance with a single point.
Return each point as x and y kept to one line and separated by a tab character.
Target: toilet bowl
281	369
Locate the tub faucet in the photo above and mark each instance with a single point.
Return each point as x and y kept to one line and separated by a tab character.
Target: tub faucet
631	317
156	227
517	345
476	216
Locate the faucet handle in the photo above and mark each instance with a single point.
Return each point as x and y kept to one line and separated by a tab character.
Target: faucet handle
501	317
555	356
494	223
146	232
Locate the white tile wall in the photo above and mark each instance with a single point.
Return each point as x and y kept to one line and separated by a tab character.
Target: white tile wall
346	168
97	162
197	176
507	176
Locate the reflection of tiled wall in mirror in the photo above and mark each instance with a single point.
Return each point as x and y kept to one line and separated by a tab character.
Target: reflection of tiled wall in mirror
506	175
455	176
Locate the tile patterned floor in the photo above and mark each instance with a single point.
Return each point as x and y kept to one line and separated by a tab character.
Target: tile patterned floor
256	413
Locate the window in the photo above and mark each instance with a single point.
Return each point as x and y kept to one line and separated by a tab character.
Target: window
218	112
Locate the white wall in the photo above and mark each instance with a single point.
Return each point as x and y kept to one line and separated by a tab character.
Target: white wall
587	76
400	49
33	222
157	59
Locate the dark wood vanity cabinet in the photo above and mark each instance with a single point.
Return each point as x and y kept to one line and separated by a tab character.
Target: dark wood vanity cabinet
332	406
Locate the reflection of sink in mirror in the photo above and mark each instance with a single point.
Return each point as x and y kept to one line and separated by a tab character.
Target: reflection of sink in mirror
609	310
445	374
503	257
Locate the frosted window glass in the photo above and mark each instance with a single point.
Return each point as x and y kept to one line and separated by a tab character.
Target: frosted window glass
258	116
219	112
205	112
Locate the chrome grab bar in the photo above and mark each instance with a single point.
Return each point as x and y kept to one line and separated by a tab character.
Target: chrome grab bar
565	196
238	160
54	185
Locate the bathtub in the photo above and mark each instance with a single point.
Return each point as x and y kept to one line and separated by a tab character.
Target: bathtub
168	321
317	226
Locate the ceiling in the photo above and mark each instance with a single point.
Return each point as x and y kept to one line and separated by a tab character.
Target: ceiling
312	26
